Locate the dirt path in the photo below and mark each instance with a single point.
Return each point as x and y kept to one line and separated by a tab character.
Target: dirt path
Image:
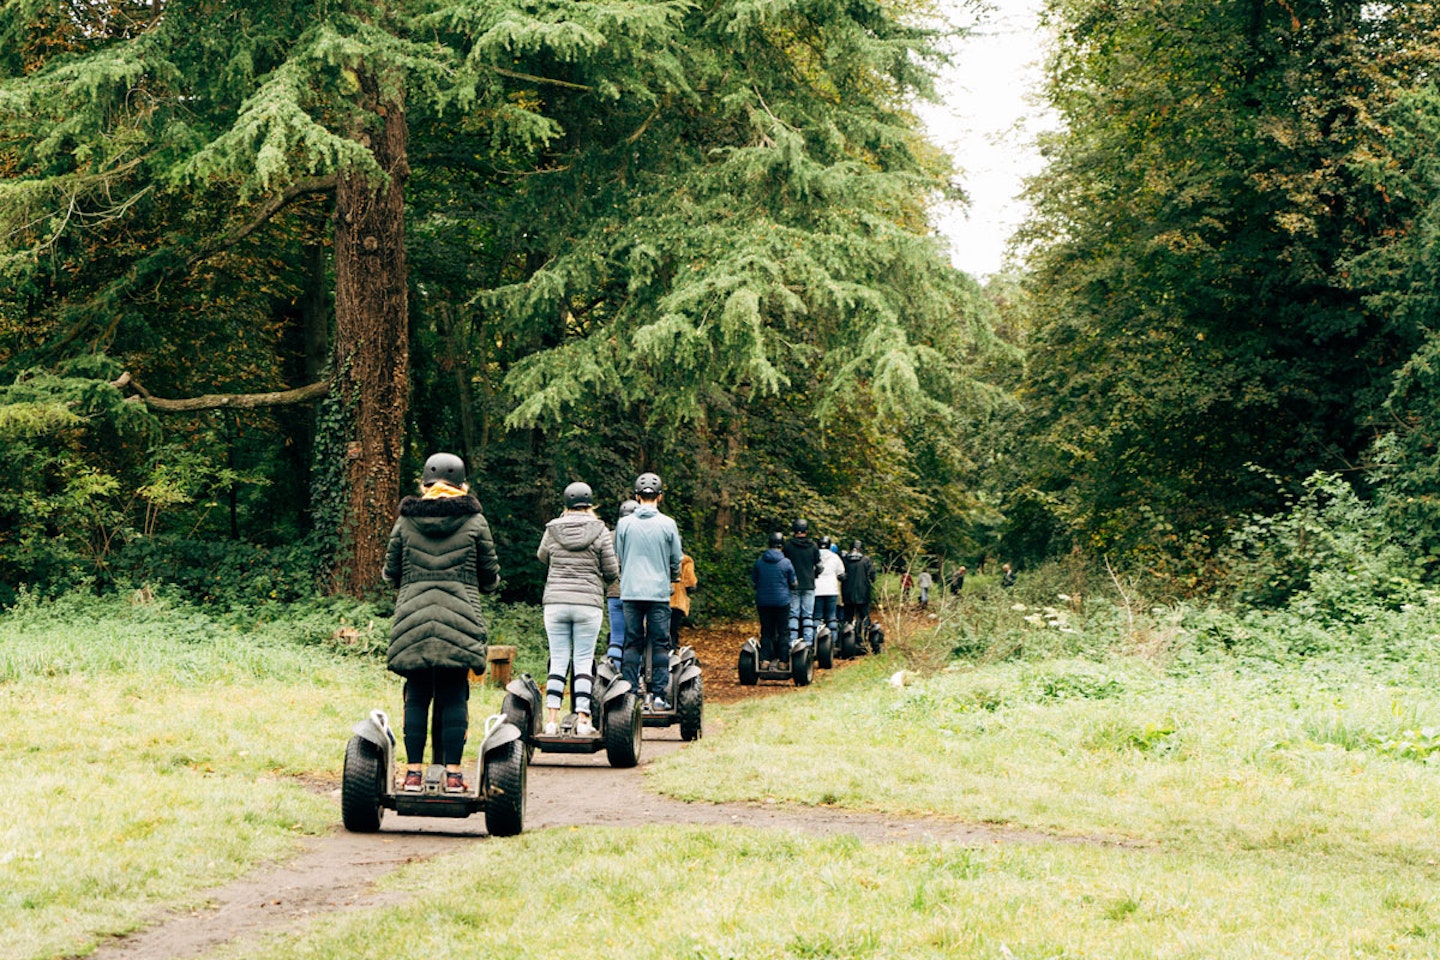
337	872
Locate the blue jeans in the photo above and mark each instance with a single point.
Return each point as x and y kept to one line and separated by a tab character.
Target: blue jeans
827	611
617	630
572	629
802	609
647	623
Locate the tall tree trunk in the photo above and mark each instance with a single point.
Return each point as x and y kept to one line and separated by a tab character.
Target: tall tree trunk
372	339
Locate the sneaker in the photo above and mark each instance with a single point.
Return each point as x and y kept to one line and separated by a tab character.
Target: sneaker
552	729
455	782
583	727
659	704
764	666
414	781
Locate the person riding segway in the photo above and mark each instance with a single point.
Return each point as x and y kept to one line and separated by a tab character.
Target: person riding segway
856	594
651	555
441	556
777	655
829	575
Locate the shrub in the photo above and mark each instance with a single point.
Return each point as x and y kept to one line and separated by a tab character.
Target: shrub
1328	556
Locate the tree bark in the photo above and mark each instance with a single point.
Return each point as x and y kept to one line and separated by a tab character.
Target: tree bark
372	338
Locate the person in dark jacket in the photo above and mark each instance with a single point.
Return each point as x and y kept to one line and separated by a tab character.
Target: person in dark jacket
857	589
804	554
441	557
580	557
774	578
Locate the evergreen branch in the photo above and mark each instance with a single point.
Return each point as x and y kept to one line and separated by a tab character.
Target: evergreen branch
229	401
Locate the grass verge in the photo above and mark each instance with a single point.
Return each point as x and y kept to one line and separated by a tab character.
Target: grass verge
728	893
1299	758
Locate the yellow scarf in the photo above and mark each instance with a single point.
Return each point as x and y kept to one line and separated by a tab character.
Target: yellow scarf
440	489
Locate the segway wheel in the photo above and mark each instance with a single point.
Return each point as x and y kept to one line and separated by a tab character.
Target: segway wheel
802	667
749	671
505	773
877	637
849	649
690	704
624	732
362	787
825	651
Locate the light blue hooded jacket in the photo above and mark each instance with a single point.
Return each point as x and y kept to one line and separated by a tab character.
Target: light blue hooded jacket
648	544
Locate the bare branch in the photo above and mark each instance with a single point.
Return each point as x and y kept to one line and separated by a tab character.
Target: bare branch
230	401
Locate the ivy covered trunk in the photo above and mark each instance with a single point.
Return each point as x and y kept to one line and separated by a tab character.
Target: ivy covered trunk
371	339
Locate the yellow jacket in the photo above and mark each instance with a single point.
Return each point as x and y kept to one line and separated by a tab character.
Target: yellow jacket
680	589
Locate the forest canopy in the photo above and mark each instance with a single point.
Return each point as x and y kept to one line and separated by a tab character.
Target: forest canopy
568	241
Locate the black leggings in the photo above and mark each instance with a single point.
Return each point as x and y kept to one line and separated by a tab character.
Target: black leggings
449	689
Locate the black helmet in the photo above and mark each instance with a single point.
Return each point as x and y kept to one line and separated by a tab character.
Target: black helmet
578	496
628	507
855	546
648	485
800	527
777	539
824	543
444	466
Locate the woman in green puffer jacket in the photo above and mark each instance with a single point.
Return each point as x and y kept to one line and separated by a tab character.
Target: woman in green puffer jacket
442	557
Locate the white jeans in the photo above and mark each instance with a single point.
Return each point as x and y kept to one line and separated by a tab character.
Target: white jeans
572	629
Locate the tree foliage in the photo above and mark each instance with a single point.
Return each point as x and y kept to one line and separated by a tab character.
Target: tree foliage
1210	255
680	235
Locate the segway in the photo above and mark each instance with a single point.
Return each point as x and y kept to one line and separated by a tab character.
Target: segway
367	788
615	714
686	695
800	667
857	635
824	647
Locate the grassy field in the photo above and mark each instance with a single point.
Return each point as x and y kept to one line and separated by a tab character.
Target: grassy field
662	893
1199	806
152	752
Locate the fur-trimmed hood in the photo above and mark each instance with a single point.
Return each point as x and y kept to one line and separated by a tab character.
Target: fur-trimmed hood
441	516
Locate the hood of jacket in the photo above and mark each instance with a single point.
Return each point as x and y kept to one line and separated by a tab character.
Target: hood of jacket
439	517
772	555
576	531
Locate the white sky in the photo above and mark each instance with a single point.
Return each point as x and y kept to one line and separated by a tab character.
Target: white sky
988	121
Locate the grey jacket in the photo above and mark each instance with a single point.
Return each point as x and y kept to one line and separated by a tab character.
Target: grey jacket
442	558
581	556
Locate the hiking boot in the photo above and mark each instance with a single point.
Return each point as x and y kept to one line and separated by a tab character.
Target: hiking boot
414	781
455	782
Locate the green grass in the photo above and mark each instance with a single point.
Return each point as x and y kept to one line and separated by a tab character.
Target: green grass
1230	759
1268	808
719	893
150	753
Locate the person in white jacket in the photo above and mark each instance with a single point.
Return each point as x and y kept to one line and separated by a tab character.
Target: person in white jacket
829	571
